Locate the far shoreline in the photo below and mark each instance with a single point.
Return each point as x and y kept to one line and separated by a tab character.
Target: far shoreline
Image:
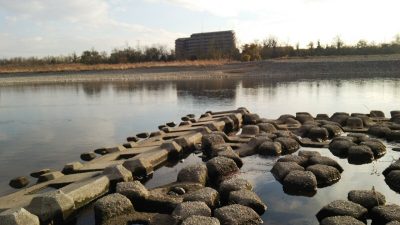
284	68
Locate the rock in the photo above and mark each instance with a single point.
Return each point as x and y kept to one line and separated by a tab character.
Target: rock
318	134
360	154
54	207
343	208
394	135
304	129
162	219
385	213
393	180
325	161
187	209
340	147
177	190
37	174
299	182
289	145
18	216
200	220
196	173
281	169
367	198
135	139
237	215
302	161
326	175
117	173
209	141
396	149
233	184
376	113
393	166
143	135
341	220
395	113
393	223
379	131
250	130
49	176
333	130
133	190
139	167
226	151
88	156
111	206
19	182
70	168
340	118
377	147
206	195
354	123
308	154
250	118
267	127
248	198
358	137
171	124
221	167
322	116
270	148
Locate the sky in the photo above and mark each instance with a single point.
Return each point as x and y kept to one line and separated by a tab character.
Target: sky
61	27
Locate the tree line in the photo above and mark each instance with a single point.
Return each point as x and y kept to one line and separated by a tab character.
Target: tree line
267	49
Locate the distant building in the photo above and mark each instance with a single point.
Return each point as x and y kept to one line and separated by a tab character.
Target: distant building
221	44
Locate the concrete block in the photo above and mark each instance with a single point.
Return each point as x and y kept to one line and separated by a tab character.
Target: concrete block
50	176
18	216
71	167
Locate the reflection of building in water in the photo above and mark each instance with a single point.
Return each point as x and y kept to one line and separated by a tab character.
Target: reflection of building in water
206	45
208	90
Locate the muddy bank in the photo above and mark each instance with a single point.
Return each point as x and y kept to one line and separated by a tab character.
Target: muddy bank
323	67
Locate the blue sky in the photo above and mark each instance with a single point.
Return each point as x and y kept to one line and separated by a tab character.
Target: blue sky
54	27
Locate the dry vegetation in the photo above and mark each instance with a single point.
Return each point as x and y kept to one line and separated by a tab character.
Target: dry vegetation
123	66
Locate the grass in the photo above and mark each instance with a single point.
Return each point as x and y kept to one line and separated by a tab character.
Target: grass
123	66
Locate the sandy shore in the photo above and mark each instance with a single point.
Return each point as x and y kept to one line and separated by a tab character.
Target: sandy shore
301	68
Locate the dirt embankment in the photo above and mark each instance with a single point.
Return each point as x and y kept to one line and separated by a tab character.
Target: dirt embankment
301	68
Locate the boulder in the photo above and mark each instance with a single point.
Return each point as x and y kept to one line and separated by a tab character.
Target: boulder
333	130
367	198
233	184
281	169
304	117
53	207
226	151
209	141
318	134
394	222
354	123
343	208
250	118
395	113
111	206
247	198
393	166
308	154
289	145
221	167
302	161
360	154
133	190
70	168
18	216
326	175
340	147
196	173
385	213
358	137
237	215
267	127
206	195
393	180
340	118
88	156
325	161
19	182
322	116
377	113
162	219
299	182
377	147
341	220
270	148
187	209
304	129
143	135
200	220
171	124
379	131
394	135
250	130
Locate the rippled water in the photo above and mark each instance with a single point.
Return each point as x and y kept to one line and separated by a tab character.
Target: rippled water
45	126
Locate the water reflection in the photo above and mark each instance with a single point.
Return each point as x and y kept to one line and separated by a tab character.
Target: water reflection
49	125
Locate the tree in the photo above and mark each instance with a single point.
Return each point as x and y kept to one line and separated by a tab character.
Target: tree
362	44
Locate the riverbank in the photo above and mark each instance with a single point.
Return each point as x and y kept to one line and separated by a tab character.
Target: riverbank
294	68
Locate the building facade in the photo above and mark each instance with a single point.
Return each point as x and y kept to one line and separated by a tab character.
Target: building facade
221	44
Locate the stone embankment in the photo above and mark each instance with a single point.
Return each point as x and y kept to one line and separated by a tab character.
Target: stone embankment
211	192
